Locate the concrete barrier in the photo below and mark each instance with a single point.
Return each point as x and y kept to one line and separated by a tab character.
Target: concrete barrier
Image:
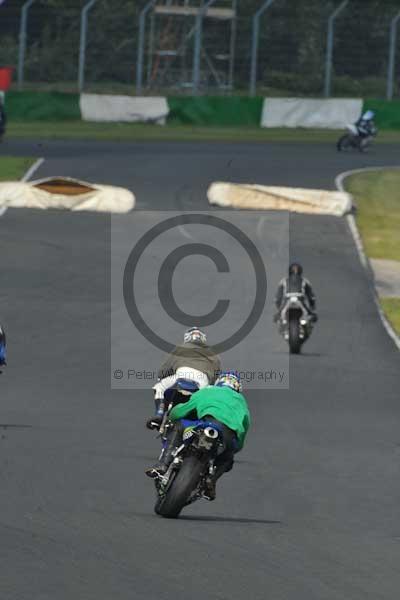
128	109
332	113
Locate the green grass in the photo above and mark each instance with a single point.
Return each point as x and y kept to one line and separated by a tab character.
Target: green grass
12	169
391	306
377	196
140	132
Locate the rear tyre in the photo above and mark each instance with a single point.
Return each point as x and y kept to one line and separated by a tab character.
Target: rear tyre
183	485
344	143
294	335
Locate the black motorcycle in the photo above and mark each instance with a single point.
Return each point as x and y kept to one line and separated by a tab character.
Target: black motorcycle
355	139
295	322
193	461
3	347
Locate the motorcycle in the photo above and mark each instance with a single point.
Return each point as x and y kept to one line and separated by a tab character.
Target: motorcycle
193	461
354	139
295	322
2	347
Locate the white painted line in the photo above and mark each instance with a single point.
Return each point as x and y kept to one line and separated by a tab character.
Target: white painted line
260	226
339	181
31	171
357	240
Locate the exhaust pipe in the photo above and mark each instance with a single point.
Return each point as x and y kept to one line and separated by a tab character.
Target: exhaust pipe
211	433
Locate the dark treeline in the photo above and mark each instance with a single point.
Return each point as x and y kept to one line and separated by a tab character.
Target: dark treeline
291	50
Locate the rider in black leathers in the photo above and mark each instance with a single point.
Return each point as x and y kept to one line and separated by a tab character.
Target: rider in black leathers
295	283
193	354
365	124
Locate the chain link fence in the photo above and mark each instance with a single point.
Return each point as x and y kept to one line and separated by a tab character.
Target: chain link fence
291	58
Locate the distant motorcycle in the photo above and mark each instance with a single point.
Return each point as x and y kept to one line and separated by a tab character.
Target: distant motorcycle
295	322
355	139
193	461
2	346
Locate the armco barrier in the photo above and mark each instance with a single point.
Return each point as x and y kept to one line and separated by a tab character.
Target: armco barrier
215	110
42	106
203	110
387	113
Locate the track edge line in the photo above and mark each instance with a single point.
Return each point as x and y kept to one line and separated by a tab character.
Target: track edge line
32	169
339	182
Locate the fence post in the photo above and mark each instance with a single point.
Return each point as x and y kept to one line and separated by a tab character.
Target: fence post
254	44
22	40
140	54
82	44
232	46
392	56
329	47
197	44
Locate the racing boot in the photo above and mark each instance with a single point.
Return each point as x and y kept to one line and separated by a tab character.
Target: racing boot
155	422
161	466
157	470
210	491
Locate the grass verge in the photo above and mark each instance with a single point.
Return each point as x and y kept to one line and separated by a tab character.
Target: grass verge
391	306
12	169
377	195
140	132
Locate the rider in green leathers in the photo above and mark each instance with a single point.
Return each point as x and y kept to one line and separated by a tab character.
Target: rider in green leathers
222	403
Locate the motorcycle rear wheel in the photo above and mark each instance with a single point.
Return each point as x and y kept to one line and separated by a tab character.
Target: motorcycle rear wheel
344	143
183	485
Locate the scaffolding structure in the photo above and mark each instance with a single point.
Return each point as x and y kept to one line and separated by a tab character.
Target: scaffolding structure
188	44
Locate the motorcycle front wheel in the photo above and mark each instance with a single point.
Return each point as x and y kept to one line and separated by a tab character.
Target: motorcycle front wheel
294	335
363	145
184	484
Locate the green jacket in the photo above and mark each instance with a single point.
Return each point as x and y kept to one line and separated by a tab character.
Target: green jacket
223	404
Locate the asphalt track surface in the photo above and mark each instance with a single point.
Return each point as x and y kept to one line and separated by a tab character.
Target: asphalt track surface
311	510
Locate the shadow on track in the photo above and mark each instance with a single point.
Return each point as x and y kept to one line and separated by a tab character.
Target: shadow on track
210	519
241	520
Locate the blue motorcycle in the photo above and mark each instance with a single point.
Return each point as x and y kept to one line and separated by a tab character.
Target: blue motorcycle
2	347
193	460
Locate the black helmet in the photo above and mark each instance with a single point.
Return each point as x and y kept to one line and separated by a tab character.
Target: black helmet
295	268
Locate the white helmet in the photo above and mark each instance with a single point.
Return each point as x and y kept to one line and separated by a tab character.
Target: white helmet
194	334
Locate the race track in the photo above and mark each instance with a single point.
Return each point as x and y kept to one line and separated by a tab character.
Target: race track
311	509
